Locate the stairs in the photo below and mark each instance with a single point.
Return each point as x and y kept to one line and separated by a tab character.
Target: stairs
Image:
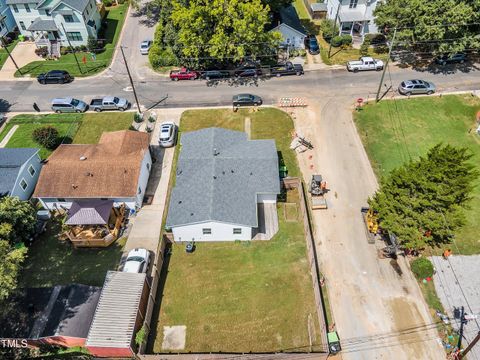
54	49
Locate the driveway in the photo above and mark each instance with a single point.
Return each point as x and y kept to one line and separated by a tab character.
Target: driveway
23	53
378	309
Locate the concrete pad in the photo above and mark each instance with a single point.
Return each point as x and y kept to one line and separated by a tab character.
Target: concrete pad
23	53
174	337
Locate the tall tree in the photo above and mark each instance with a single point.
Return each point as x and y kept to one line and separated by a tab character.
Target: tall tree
20	215
432	26
423	201
10	262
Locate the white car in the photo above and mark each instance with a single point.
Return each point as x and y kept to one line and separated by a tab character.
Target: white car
137	261
365	63
168	134
145	47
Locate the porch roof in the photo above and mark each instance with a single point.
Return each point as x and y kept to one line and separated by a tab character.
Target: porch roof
43	25
89	212
351	16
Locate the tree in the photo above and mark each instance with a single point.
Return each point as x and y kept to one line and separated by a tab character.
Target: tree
92	44
11	259
423	201
46	136
276	5
432	26
422	268
222	29
17	220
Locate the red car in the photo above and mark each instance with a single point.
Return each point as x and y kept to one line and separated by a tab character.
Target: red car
183	74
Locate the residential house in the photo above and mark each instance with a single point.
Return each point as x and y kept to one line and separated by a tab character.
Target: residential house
287	23
19	171
55	23
355	17
7	21
226	187
116	169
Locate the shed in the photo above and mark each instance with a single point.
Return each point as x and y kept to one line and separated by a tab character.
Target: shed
318	10
119	315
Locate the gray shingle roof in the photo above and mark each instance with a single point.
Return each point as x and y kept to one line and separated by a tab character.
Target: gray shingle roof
223	187
11	160
11	2
318	6
42	25
289	16
78	5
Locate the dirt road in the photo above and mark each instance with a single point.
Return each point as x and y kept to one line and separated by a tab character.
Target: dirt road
378	309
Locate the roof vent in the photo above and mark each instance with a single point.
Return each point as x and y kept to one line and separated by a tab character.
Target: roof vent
251	173
214	177
74	186
191	214
215	152
88	174
223	172
180	202
232	171
82	158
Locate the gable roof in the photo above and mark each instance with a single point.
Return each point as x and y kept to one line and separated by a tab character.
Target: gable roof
108	169
289	16
318	6
78	5
11	161
222	187
40	24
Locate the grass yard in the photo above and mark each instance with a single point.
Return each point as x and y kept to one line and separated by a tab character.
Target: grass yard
241	296
93	125
115	19
53	262
419	124
4	54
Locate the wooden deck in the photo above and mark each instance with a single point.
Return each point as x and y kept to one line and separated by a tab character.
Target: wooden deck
267	222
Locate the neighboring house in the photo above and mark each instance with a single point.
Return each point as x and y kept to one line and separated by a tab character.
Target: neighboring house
223	183
7	21
355	16
318	10
287	23
53	23
117	168
59	315
19	171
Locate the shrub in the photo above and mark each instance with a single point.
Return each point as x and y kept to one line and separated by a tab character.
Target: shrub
328	29
46	136
337	41
364	49
83	47
138	118
161	57
42	51
422	268
107	2
92	44
347	40
298	52
151	119
375	39
63	50
380	49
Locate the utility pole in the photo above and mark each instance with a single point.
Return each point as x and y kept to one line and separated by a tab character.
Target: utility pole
470	346
377	98
73	51
5	46
462	322
131	80
334	27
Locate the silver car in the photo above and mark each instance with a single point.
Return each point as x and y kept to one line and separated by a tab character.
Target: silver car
68	104
168	134
145	47
412	87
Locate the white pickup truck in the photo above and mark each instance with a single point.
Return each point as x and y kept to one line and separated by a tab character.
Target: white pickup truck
365	63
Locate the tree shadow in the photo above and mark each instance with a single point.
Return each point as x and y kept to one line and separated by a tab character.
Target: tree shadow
4	107
408	59
107	32
150	12
311	27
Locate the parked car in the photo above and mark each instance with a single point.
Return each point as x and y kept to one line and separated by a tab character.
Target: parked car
215	74
68	104
246	100
459	58
109	103
249	73
55	77
168	134
311	44
287	69
411	87
137	261
365	63
183	74
145	47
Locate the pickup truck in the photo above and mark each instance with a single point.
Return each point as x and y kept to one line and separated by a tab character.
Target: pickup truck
109	103
183	74
365	63
287	69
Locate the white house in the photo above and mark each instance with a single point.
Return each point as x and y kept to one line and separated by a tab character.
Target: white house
19	171
53	23
224	185
117	168
7	21
355	16
287	23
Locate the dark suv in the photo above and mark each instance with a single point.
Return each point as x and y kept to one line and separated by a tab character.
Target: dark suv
452	59
311	44
55	77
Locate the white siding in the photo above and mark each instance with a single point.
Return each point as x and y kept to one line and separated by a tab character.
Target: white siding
143	178
27	17
291	36
267	198
220	232
31	181
365	7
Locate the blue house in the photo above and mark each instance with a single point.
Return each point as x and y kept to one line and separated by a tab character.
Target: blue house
19	171
7	21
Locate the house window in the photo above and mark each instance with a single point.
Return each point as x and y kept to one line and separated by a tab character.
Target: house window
91	6
47	12
148	166
206	231
68	18
27	8
31	170
15	8
22	25
237	231
353	4
139	190
61	200
23	184
74	36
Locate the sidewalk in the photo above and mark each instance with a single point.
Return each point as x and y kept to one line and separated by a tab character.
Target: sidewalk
23	53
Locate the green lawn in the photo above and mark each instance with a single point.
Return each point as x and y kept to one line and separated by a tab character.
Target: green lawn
392	130
4	54
115	19
53	262
241	296
93	125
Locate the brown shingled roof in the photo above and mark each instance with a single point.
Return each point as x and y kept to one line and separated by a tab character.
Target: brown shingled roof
108	169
